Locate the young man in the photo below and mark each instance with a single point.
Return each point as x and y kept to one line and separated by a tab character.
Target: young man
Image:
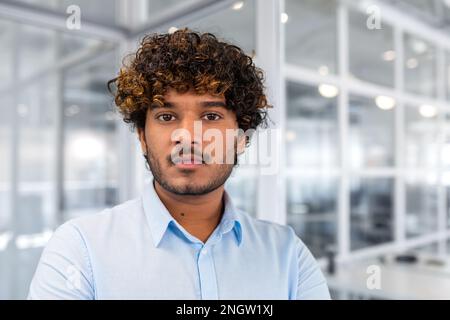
183	238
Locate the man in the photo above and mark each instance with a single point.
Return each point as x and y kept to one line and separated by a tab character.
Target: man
183	238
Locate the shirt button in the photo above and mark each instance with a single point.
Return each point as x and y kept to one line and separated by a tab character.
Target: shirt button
204	251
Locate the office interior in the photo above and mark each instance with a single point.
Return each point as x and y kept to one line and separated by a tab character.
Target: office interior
361	95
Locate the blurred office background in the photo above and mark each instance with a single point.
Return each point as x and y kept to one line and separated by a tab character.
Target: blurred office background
363	106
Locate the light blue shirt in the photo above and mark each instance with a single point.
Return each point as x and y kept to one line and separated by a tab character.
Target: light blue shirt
137	250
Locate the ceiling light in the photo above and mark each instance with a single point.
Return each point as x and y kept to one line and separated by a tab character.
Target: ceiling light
238	5
418	46
389	55
172	30
427	110
328	90
385	102
4	240
284	17
290	135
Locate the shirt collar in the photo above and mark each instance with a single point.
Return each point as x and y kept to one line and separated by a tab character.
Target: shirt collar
159	218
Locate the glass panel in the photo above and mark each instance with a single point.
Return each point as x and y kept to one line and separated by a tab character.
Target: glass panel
447	75
306	18
421	137
447	200
421	204
39	49
156	8
6	54
371	212
6	234
233	25
312	211
36	47
6	108
433	13
90	148
371	133
312	128
445	161
37	157
35	215
429	249
103	12
446	185
73	44
445	151
371	52
420	66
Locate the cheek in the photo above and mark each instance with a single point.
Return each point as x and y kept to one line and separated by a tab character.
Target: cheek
220	147
158	140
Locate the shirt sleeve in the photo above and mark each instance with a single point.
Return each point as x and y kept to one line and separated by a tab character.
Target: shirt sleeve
312	284
64	271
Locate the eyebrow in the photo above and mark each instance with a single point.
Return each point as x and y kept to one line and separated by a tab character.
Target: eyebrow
206	104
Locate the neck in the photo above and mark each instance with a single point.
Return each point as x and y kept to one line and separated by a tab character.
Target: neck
199	215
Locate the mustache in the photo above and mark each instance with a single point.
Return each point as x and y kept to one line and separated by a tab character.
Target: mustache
176	155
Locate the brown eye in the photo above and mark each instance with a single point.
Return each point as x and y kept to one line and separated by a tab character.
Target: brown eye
212	117
165	117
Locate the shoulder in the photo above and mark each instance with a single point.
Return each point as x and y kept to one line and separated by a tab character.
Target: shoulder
281	240
81	232
108	219
270	232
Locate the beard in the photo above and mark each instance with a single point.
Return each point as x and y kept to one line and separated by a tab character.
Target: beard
193	188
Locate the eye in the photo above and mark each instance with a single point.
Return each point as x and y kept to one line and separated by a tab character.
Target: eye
212	116
166	117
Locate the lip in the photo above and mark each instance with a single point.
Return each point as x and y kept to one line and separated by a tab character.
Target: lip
191	162
188	165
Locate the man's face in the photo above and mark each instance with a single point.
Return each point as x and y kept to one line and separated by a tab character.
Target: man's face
186	142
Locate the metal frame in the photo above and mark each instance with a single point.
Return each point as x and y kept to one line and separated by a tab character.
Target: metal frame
14	189
441	196
271	194
127	13
400	190
343	225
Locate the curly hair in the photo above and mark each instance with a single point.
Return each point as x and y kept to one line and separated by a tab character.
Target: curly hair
186	60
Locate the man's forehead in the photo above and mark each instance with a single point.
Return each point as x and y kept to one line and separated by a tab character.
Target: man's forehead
173	95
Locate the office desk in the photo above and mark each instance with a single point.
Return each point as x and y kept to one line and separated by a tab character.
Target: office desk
420	280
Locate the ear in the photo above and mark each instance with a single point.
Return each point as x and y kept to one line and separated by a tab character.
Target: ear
142	140
241	142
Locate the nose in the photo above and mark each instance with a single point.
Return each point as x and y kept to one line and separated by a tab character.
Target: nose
188	133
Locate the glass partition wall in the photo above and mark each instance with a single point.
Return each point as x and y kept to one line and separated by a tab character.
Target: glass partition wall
368	110
58	132
364	117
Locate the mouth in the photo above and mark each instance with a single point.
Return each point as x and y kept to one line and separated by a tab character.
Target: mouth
188	162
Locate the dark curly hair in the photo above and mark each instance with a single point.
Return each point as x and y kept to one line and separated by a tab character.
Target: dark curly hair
185	60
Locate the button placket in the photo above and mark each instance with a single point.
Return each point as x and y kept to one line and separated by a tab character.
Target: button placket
207	275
